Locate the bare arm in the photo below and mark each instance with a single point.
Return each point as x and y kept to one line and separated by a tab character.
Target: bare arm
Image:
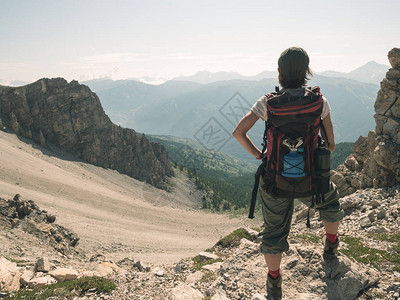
330	138
240	133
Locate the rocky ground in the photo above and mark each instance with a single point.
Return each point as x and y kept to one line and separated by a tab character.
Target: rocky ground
368	266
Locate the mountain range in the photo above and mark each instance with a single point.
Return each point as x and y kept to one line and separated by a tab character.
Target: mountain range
193	110
371	72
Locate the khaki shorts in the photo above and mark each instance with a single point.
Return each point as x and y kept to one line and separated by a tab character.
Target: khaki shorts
278	212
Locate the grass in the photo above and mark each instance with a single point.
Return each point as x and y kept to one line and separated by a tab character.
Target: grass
68	289
395	255
199	262
232	239
375	257
310	237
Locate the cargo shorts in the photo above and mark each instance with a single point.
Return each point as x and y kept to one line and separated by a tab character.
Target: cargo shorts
278	212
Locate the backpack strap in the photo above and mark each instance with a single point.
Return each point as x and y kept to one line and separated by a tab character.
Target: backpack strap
259	173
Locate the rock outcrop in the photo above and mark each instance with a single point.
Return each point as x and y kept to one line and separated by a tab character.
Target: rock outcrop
32	220
375	161
70	116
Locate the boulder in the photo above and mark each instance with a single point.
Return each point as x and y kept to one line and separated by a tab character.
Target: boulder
9	276
208	256
41	281
184	292
64	274
193	278
107	268
42	265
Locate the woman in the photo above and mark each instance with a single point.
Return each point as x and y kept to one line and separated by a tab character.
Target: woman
293	69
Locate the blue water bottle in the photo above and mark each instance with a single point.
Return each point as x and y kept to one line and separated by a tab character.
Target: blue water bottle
293	164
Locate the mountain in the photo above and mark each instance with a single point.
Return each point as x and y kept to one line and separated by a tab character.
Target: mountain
192	110
205	77
70	116
371	72
13	82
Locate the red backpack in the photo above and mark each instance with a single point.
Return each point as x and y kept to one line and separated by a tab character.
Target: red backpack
291	138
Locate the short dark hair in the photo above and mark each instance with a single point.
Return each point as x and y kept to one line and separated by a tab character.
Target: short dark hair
293	68
292	81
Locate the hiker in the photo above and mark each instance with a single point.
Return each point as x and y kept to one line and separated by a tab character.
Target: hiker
294	71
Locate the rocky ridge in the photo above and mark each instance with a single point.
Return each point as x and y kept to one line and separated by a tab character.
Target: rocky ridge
53	112
27	216
234	268
376	158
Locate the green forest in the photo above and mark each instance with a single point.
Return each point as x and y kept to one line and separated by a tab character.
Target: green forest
226	181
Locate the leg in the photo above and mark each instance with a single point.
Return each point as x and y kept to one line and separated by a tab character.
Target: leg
331	228
277	213
273	261
331	213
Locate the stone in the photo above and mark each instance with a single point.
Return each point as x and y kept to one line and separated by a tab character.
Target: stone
352	163
158	271
9	276
371	216
393	74
107	268
381	214
394	58
126	262
258	296
140	267
50	218
375	203
42	265
97	257
64	274
184	292
180	266
213	267
219	295
26	276
41	281
208	256
193	278
377	229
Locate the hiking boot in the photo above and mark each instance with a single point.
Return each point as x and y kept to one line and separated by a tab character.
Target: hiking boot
330	250
274	288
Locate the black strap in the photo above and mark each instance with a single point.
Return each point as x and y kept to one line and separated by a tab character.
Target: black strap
265	136
308	212
324	130
259	173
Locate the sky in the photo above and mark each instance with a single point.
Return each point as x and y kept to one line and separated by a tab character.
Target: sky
120	39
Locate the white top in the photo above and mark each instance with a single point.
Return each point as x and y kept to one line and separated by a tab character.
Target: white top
260	108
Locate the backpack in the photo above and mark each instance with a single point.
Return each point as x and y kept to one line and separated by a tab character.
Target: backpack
291	137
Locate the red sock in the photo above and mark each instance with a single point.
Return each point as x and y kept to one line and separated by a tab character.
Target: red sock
275	274
331	237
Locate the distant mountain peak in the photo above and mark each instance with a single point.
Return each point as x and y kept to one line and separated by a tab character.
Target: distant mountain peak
371	72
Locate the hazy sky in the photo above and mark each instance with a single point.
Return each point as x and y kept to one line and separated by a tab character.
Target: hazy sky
85	39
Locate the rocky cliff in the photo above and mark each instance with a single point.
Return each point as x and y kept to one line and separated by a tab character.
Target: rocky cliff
70	116
376	158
